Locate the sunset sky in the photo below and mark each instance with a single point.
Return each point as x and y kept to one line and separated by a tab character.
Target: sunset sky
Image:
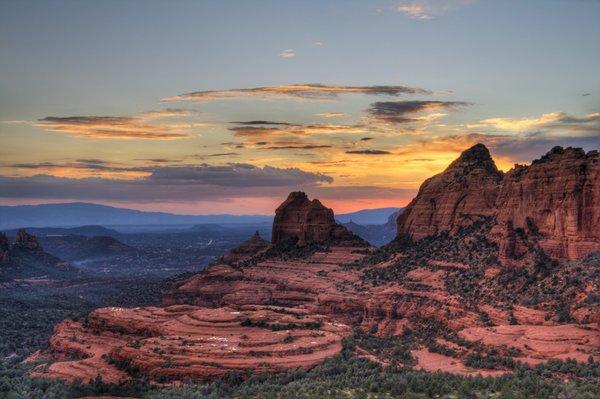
224	107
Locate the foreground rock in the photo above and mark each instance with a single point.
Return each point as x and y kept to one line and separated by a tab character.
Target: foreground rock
187	342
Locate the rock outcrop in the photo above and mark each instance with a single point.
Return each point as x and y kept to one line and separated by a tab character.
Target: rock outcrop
4	247
24	240
307	221
466	191
24	258
246	250
181	343
554	202
556	199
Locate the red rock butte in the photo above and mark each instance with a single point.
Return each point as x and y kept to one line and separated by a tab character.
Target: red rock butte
260	309
555	200
306	221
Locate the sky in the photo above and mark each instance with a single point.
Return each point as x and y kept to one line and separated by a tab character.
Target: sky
204	107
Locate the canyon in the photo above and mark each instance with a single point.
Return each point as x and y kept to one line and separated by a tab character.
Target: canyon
503	266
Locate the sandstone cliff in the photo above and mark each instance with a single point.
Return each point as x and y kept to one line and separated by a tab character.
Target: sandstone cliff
557	200
554	202
464	192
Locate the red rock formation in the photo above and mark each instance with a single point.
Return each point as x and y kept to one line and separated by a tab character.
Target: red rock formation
246	250
307	221
464	192
24	240
187	342
557	200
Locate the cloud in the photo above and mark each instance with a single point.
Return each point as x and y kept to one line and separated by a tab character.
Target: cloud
429	9
298	147
331	114
172	183
416	10
404	111
368	152
117	127
319	44
223	154
260	122
558	121
366	138
289	53
311	91
252	133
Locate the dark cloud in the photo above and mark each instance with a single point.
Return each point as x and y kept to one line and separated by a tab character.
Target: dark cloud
92	164
404	111
314	91
254	131
224	154
366	138
177	184
368	152
251	123
159	160
297	147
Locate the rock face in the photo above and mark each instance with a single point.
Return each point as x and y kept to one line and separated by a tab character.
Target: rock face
180	343
25	258
466	191
253	246
4	247
557	199
307	221
555	202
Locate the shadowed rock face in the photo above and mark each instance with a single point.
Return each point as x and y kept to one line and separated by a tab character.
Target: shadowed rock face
24	240
556	199
464	192
307	221
253	246
4	247
554	202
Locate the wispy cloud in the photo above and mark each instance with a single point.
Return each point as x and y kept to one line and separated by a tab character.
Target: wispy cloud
331	114
560	122
368	152
311	91
406	111
142	126
429	9
288	53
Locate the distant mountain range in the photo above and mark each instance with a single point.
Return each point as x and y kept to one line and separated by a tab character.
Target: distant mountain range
368	216
80	214
84	214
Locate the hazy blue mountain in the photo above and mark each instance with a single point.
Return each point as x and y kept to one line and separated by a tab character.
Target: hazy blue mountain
91	218
376	234
87	231
368	216
79	214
